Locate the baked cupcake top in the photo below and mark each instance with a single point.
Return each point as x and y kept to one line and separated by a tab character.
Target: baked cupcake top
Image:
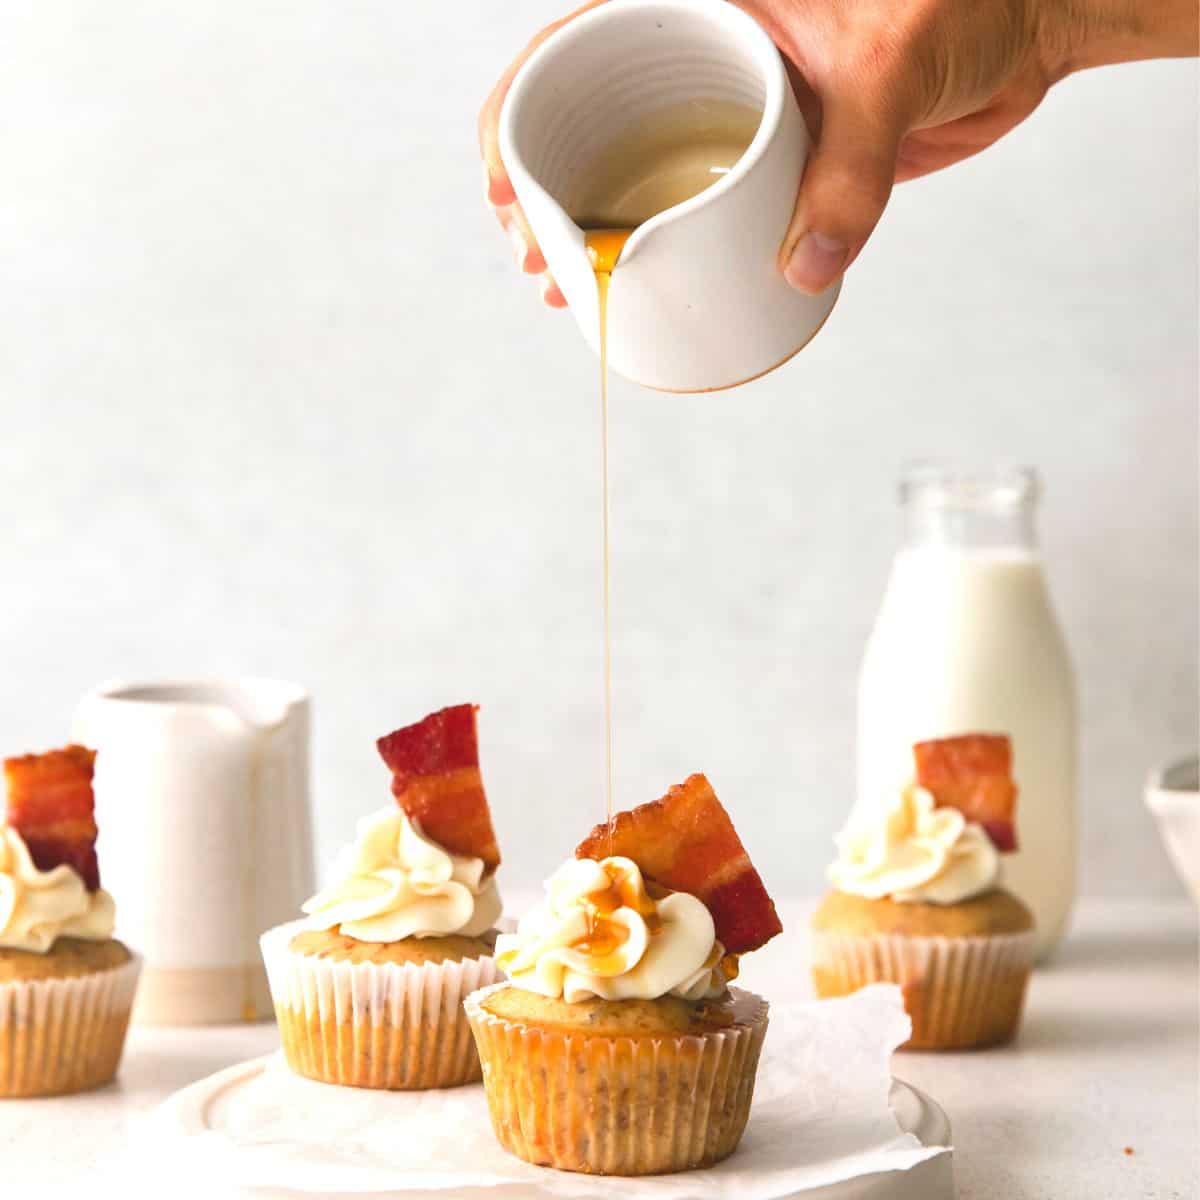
994	912
425	866
664	913
938	840
334	946
49	876
664	1016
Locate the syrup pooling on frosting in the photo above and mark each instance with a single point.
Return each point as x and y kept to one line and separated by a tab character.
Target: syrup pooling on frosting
392	882
39	907
601	933
608	933
916	852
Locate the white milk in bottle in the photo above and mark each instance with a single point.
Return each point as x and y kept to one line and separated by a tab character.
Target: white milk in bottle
967	641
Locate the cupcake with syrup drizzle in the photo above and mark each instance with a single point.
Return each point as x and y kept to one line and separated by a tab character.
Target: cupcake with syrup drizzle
368	989
617	1046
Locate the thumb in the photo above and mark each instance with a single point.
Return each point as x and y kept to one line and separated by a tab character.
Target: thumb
845	187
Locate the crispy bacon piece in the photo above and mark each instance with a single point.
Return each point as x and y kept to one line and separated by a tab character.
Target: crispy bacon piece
973	773
686	842
51	805
436	781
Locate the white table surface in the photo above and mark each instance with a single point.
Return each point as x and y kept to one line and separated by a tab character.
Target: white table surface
1107	1059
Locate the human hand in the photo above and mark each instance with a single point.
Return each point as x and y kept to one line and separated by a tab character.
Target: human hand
892	90
498	188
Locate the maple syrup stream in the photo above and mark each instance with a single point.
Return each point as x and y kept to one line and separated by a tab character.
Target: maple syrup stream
604	247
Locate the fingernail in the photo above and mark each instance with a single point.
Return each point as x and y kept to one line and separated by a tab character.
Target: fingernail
497	192
551	294
815	262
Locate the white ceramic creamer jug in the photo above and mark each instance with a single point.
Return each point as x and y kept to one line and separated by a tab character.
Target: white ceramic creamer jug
202	800
697	301
967	641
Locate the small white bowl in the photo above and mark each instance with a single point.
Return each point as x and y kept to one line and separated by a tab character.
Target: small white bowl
1173	796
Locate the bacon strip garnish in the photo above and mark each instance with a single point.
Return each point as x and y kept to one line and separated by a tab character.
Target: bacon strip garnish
51	805
973	773
686	842
436	781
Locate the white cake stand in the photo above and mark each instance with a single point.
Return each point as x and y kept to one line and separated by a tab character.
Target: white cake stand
189	1129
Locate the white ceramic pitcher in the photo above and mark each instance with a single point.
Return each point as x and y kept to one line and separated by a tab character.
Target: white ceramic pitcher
697	301
202	801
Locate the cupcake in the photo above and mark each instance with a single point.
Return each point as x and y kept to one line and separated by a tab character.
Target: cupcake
617	1047
368	989
66	984
917	900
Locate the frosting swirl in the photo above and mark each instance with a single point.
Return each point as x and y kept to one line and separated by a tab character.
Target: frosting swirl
393	883
39	907
600	933
916	852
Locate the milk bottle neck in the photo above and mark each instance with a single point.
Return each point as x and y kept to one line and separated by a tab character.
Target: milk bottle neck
956	509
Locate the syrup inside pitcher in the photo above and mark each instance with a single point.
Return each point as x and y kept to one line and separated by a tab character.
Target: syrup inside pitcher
669	157
666	158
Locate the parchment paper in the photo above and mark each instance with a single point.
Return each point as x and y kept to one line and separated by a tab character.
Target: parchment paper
820	1116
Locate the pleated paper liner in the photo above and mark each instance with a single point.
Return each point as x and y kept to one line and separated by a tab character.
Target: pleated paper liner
961	992
398	1026
64	1035
619	1105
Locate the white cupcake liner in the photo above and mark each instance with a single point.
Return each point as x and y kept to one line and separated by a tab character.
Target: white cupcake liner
399	1026
64	1035
619	1105
960	992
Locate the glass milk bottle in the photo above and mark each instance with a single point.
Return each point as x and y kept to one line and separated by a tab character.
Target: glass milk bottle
967	641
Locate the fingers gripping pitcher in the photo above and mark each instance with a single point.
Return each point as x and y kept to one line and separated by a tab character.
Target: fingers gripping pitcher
967	640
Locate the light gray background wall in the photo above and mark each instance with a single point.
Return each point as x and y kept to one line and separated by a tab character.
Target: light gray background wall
275	401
